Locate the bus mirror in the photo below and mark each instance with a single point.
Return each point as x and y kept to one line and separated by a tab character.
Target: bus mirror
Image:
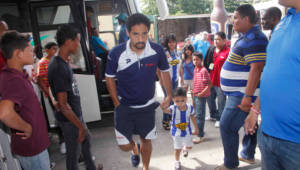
163	9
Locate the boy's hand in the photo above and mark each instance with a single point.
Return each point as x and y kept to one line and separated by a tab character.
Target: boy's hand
26	134
196	132
199	95
166	111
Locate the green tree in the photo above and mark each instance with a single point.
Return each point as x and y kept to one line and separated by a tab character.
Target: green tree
186	7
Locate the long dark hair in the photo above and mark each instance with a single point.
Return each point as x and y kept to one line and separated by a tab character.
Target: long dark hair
169	38
188	47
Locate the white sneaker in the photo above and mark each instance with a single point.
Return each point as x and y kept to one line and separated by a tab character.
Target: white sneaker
63	148
198	140
210	118
217	124
177	165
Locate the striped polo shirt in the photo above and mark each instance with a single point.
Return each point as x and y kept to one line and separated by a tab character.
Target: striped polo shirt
181	120
42	70
200	81
249	48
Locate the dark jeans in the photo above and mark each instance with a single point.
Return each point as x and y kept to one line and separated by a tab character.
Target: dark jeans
200	113
216	93
74	148
278	154
232	120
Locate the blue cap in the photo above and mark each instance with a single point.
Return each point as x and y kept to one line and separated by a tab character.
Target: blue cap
122	17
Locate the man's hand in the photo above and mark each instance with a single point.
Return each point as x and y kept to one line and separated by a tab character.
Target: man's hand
26	134
246	104
81	134
250	124
165	103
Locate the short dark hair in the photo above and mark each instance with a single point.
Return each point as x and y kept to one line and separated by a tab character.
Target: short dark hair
247	10
198	54
221	34
64	33
188	47
13	40
137	19
170	37
50	45
179	91
274	12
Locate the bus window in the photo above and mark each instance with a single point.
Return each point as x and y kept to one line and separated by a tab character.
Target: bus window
76	61
10	14
106	28
54	15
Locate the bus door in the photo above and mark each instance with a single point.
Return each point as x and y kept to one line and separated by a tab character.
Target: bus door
46	17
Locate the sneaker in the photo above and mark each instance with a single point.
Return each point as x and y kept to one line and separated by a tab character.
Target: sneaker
217	124
177	166
185	153
249	161
63	148
210	118
81	160
222	167
52	165
135	159
198	140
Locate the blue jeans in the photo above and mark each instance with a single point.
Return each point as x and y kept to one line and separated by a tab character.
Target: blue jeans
211	101
278	154
200	113
216	92
74	149
37	162
232	120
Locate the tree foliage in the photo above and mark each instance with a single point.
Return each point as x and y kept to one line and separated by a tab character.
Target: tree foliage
186	7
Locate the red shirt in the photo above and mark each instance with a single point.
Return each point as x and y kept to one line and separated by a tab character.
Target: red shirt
42	70
200	81
2	60
16	87
219	59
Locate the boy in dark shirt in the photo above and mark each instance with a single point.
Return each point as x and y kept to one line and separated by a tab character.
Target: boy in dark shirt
19	107
65	91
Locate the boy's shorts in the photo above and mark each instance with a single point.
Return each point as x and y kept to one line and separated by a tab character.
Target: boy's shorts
140	121
180	142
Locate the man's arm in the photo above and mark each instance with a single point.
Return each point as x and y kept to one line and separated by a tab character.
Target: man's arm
253	80
12	119
112	89
67	111
168	87
42	85
103	48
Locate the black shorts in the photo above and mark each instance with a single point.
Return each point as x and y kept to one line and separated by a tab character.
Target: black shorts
140	121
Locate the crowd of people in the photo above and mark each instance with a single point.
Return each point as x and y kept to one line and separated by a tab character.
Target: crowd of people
256	75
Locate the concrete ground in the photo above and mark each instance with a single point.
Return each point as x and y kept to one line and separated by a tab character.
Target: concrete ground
203	156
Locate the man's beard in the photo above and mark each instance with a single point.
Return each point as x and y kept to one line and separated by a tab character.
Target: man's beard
136	45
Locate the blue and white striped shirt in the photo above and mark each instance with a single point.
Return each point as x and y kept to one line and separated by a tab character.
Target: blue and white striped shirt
249	48
181	120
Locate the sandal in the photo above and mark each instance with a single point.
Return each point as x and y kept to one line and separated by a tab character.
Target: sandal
166	125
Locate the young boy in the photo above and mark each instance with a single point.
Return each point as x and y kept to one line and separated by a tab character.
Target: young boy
51	49
19	107
182	114
65	91
201	91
